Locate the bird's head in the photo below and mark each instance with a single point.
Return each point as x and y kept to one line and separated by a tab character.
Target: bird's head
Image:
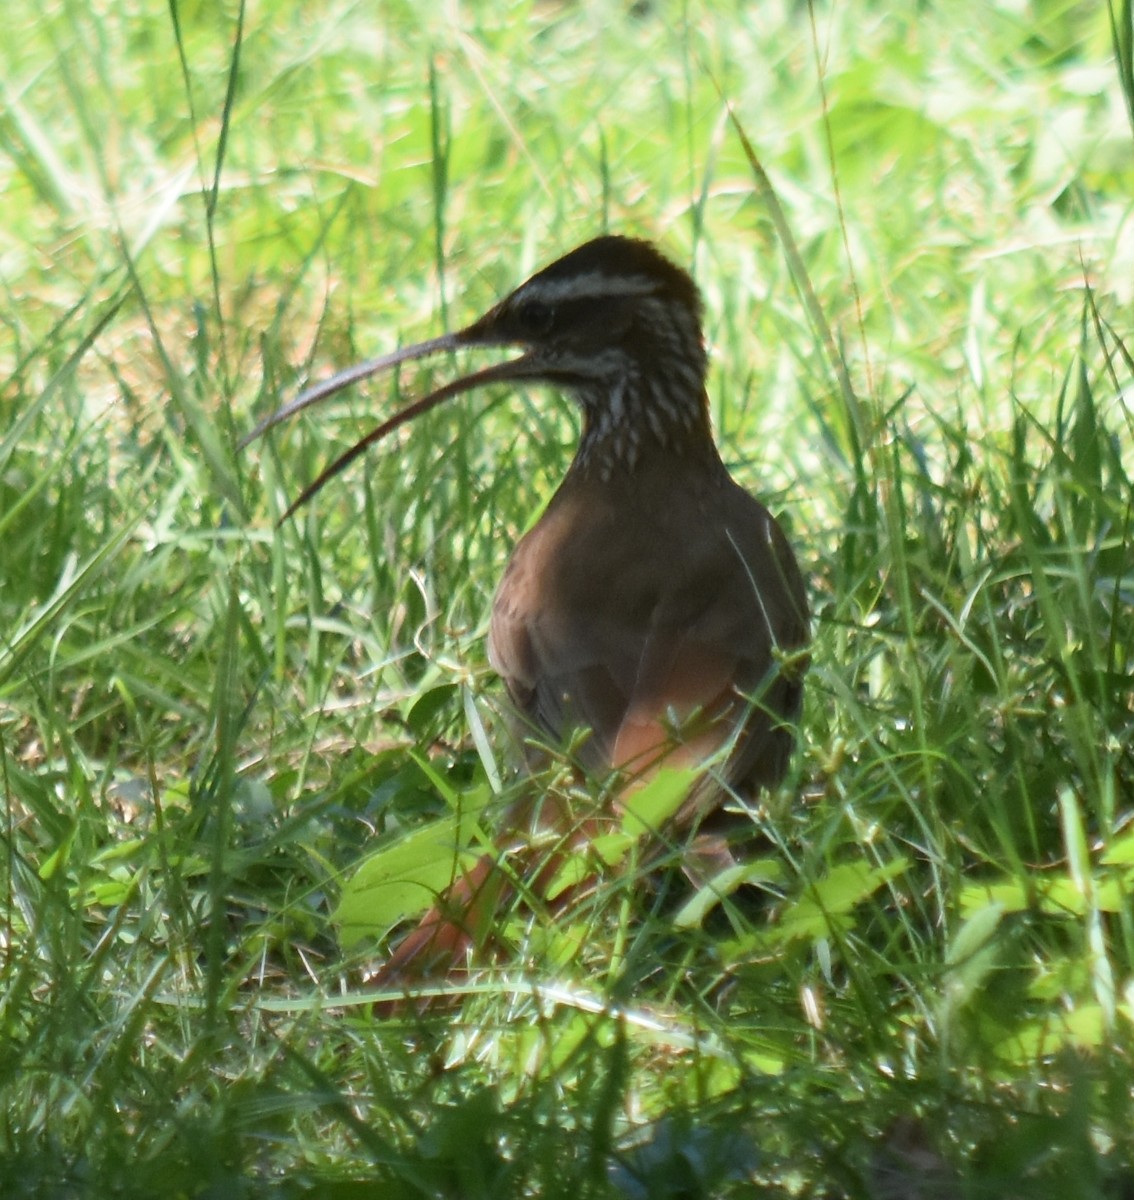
613	323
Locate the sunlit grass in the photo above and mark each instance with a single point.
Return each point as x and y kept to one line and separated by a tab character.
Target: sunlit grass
207	723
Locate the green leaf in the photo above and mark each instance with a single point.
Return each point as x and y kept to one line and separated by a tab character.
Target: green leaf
1120	853
819	912
972	954
402	879
649	808
693	912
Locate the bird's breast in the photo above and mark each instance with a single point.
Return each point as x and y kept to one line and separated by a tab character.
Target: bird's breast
623	611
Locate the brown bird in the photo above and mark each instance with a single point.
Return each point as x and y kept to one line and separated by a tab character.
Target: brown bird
655	613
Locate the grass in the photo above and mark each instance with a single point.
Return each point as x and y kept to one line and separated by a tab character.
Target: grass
208	724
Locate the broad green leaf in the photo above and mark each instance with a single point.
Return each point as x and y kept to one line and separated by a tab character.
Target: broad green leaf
821	909
403	879
652	805
1083	1028
1120	853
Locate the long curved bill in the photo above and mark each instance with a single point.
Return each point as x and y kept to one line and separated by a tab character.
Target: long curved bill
524	367
351	376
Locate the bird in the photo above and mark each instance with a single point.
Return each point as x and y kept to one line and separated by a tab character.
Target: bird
655	615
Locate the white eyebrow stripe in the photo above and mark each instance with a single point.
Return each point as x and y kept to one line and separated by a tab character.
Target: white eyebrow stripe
596	283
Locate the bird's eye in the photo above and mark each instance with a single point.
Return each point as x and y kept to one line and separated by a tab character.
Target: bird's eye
534	318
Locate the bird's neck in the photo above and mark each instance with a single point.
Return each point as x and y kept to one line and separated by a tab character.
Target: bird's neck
638	422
